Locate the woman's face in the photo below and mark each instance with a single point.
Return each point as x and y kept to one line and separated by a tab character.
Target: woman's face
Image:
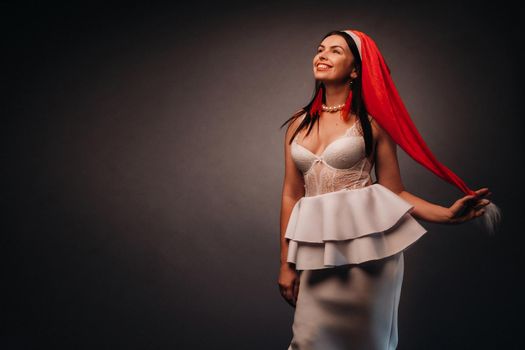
334	62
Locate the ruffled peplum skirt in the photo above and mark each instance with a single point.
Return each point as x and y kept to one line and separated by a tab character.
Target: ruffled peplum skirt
348	249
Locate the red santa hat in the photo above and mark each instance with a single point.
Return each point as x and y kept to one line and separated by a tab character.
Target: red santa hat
383	103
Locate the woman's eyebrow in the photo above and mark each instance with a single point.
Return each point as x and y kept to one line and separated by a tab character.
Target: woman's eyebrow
332	46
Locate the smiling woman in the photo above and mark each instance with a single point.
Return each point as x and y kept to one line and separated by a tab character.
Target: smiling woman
343	236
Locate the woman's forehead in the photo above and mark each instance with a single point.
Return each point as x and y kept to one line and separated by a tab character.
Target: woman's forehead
334	40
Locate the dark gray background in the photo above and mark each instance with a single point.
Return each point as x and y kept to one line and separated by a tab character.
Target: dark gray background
144	167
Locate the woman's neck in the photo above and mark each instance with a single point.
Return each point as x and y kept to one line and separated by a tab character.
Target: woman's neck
336	94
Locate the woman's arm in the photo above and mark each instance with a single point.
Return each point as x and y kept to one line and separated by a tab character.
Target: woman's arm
388	174
292	191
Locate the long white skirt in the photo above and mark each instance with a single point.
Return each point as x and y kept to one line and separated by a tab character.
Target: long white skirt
349	307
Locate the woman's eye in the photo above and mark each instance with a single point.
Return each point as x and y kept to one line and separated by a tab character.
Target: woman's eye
336	51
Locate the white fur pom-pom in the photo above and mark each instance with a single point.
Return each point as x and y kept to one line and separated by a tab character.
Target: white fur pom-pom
491	218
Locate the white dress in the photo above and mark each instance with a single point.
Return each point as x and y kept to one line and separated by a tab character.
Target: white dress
346	238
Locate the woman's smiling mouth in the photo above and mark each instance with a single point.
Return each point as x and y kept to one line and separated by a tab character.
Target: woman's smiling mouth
322	66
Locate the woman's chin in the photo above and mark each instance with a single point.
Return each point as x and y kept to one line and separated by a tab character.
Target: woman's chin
322	76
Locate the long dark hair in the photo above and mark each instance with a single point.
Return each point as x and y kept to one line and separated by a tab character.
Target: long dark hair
357	105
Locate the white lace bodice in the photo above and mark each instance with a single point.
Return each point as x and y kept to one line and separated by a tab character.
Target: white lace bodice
342	164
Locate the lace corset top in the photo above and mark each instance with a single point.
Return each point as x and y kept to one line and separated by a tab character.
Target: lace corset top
342	164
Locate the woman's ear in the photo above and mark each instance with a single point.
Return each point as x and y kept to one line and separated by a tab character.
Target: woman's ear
353	75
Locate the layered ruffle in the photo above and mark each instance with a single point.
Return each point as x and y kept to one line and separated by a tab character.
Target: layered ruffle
350	227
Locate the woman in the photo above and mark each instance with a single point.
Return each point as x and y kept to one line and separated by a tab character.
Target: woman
343	236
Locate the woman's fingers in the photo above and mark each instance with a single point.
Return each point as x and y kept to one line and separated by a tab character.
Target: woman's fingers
481	203
288	293
469	206
461	203
288	284
472	211
471	200
480	212
482	191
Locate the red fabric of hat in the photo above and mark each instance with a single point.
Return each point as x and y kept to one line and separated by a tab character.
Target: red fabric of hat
384	104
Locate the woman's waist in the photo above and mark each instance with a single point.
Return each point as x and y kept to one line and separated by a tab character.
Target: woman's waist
314	187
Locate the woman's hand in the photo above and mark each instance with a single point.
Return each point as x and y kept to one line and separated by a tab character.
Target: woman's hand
289	283
468	207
